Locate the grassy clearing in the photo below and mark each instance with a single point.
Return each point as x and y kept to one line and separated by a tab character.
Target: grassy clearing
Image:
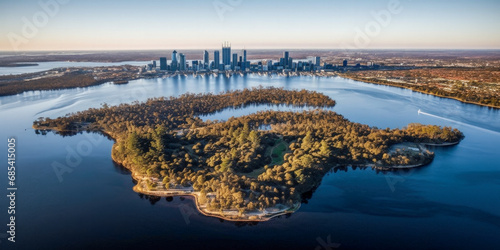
278	151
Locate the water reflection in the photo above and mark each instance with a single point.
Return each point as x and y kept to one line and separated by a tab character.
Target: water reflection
454	199
405	202
42	66
121	169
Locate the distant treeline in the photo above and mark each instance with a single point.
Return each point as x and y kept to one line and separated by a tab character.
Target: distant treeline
10	86
465	94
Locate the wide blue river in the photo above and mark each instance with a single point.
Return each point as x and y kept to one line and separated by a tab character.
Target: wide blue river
42	66
453	203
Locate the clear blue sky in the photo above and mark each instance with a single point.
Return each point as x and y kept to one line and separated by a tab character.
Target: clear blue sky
168	24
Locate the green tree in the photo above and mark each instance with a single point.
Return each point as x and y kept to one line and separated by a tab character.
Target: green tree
307	141
133	144
325	149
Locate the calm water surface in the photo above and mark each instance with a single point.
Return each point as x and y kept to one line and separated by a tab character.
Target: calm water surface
452	203
42	66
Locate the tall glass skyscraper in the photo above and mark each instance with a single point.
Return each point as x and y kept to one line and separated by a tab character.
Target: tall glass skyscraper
226	53
174	61
216	59
235	61
244	64
206	60
182	62
285	59
163	63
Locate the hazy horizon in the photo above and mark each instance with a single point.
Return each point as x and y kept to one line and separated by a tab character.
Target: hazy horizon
57	25
262	49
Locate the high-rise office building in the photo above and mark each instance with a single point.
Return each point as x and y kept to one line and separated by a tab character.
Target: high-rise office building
269	64
154	64
285	59
216	59
194	65
226	53
235	61
344	63
174	61
290	63
163	63
244	64
206	60
182	62
317	61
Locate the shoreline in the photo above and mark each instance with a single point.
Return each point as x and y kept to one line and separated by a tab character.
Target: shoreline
143	182
422	146
225	215
419	91
17	65
267	73
444	144
246	217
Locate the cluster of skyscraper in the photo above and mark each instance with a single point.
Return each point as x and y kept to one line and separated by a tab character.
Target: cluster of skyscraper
229	61
234	62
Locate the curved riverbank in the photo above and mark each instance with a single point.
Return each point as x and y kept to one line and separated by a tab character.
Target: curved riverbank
422	149
229	215
416	90
148	185
444	144
166	162
126	79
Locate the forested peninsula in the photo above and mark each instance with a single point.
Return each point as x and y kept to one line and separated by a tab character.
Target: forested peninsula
248	168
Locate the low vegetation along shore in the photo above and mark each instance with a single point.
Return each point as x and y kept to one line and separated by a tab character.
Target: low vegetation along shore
475	86
235	169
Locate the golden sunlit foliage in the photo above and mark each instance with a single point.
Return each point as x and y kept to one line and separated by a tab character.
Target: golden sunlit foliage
231	162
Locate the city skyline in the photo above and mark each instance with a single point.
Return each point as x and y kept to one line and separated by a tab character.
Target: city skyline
237	62
381	24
